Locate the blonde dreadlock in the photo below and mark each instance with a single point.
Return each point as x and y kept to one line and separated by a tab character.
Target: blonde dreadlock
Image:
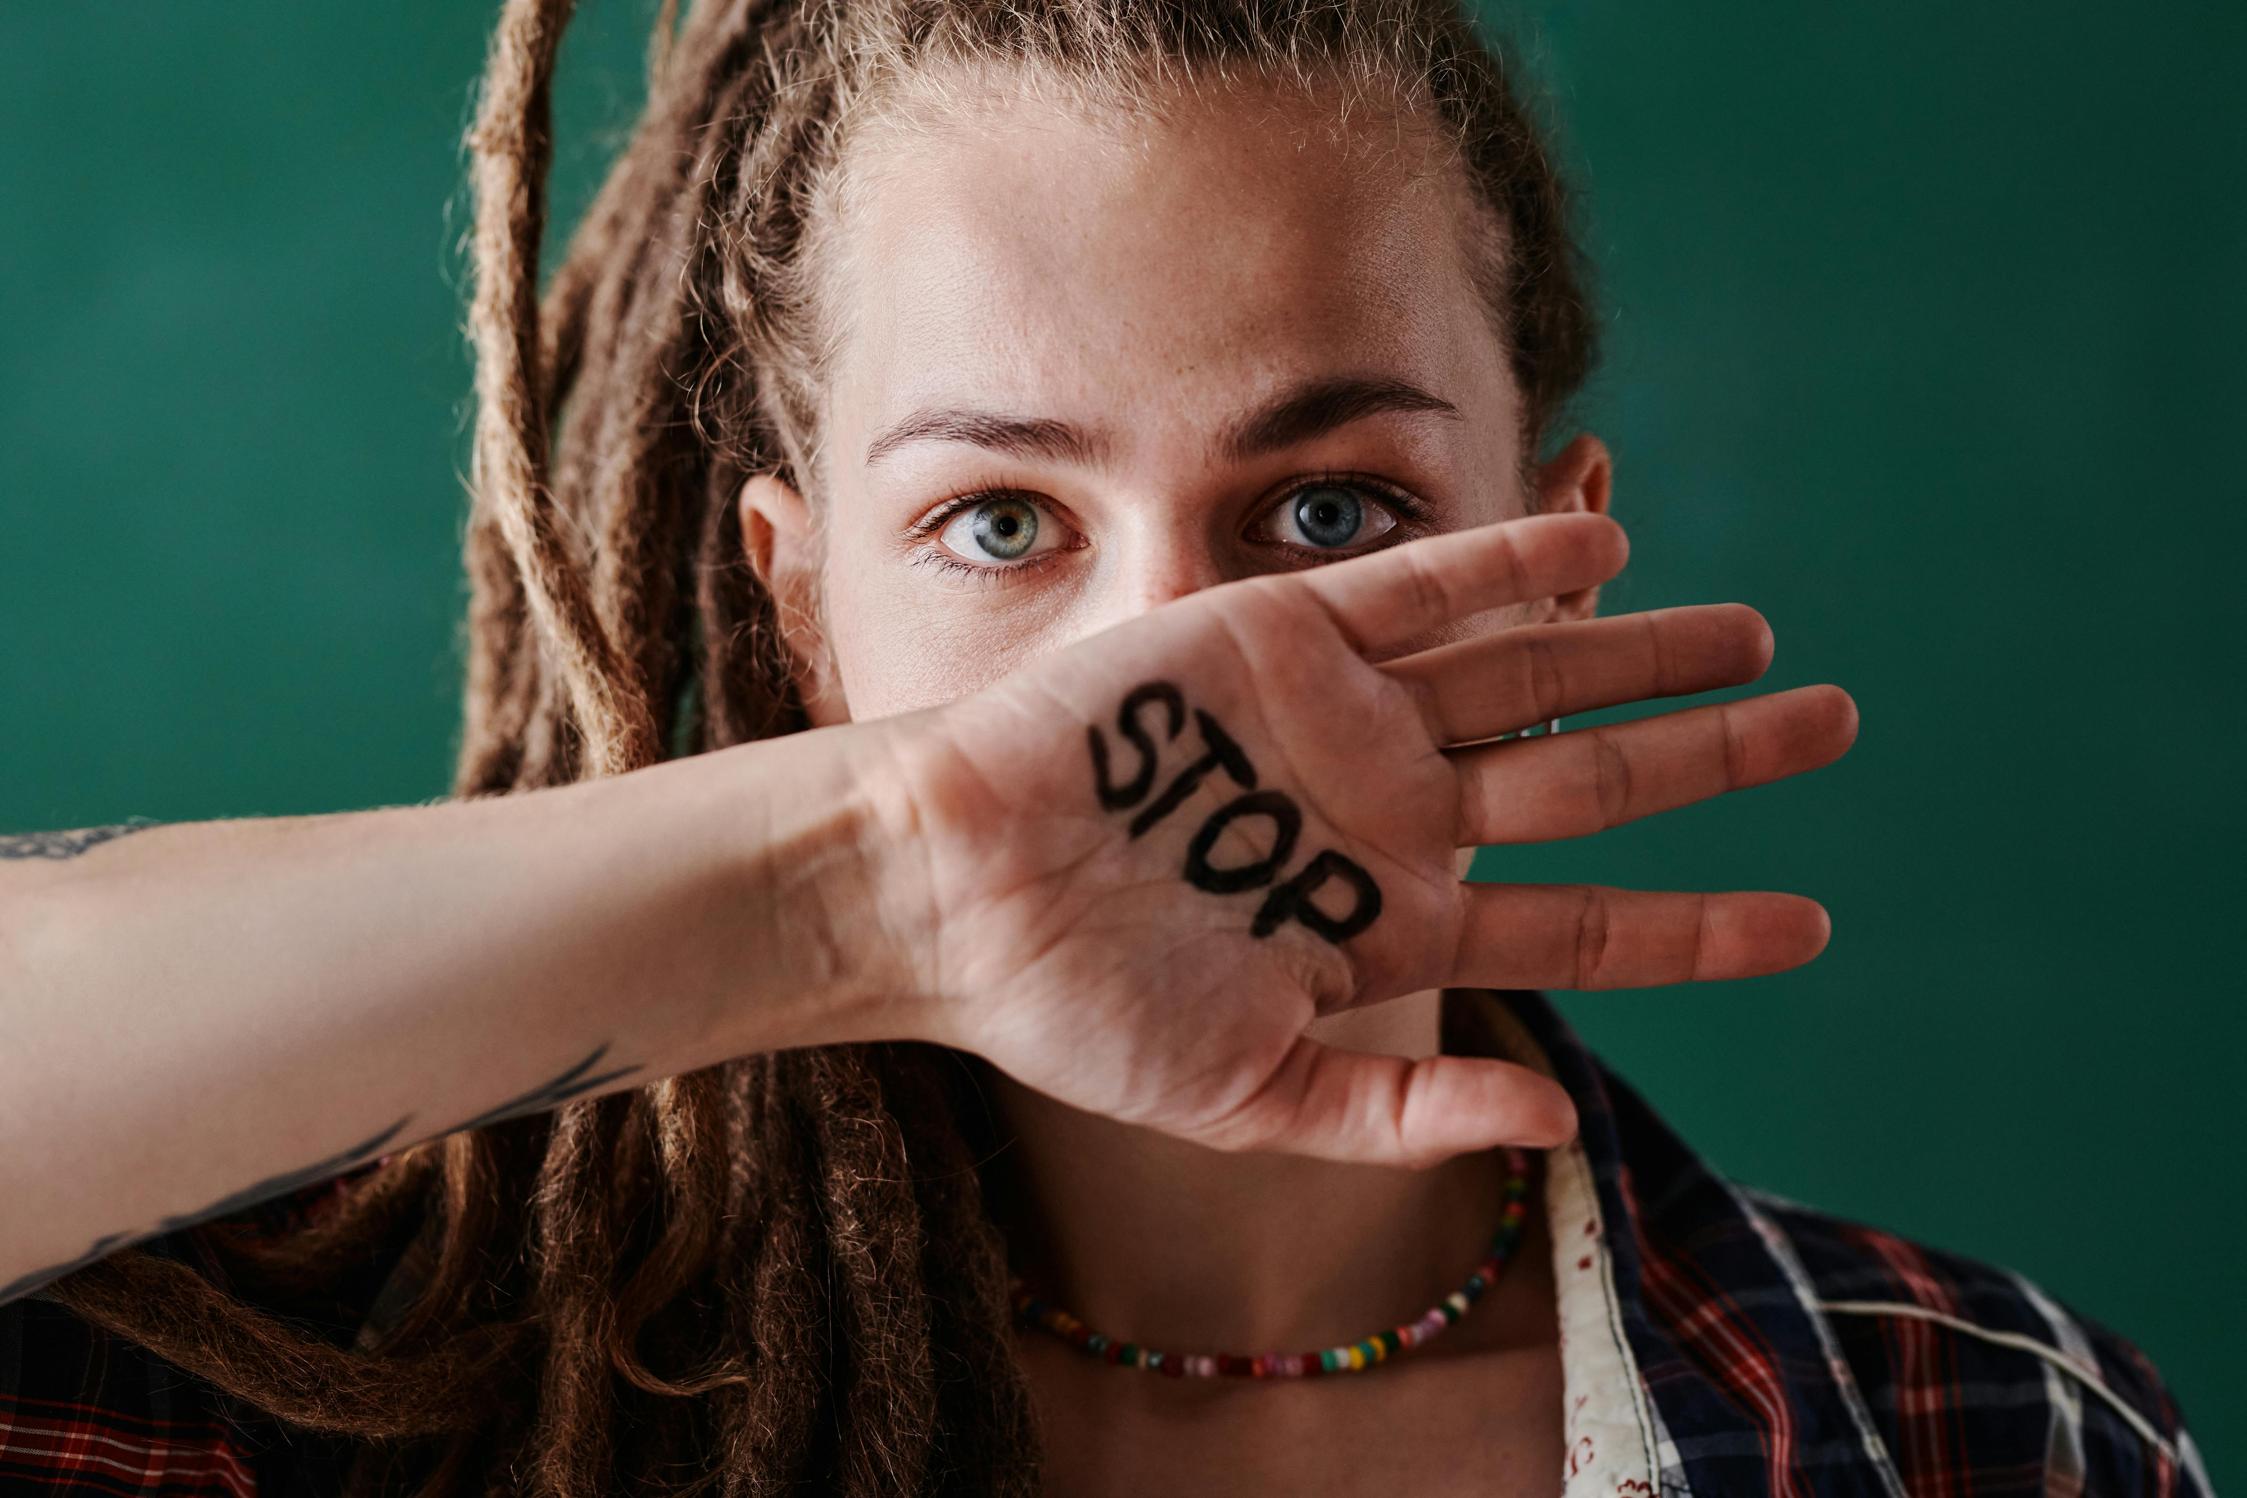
779	1272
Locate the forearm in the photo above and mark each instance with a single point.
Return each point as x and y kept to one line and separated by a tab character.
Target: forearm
197	1016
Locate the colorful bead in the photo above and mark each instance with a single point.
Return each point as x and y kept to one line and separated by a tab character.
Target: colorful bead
1349	1358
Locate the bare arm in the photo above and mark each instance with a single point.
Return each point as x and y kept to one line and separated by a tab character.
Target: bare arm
195	1017
1130	874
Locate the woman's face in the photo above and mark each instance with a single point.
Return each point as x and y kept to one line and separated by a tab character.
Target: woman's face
1089	367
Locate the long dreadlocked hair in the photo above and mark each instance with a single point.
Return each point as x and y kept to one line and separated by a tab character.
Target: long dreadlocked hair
781	1272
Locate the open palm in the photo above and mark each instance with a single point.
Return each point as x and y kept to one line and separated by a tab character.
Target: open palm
1140	867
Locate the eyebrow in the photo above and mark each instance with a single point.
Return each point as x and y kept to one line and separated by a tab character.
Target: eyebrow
1296	414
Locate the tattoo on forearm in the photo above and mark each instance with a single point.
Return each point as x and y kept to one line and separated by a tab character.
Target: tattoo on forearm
578	1080
68	844
1289	899
235	1201
288	1181
575	1082
25	1284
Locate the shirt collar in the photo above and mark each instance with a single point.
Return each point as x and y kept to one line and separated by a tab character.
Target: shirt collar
1693	1357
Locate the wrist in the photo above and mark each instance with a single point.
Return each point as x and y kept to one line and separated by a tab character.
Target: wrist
798	893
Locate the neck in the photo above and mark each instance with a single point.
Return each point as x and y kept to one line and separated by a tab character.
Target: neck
1156	1240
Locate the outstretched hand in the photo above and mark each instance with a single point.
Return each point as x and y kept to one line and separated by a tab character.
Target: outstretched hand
1138	869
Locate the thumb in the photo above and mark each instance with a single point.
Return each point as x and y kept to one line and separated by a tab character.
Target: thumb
1337	1104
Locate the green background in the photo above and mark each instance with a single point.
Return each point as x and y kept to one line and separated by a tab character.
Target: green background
1925	330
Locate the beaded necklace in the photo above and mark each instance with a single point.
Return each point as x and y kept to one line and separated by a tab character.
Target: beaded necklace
1350	1358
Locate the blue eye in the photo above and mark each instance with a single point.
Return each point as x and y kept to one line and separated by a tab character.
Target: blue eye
1329	516
998	530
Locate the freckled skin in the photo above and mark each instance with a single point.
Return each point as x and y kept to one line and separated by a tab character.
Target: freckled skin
1049	265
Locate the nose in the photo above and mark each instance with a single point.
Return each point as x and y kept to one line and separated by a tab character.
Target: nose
1162	571
1146	572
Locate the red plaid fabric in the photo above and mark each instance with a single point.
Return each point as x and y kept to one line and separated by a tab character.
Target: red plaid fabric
83	1412
1783	1350
58	1444
1765	1349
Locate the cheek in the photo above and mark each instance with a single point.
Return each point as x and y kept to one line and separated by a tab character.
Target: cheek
902	641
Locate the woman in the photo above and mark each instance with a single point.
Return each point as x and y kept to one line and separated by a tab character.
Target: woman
1008	567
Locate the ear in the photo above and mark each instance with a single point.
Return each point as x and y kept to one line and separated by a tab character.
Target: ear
780	541
1575	478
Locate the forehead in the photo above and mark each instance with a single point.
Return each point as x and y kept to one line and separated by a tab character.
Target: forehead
1032	253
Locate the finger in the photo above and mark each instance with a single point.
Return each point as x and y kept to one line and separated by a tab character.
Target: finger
1391	596
1337	1104
1497	683
1588	779
1594	936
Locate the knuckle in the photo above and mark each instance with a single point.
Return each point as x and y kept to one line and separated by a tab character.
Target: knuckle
1594	924
1398	1125
1542	683
1611	778
1698	963
1427	599
1734	747
1517	571
1658	652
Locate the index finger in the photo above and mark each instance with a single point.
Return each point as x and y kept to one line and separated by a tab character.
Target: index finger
1399	594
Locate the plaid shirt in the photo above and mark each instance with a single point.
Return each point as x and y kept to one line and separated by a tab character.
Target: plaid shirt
1715	1340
